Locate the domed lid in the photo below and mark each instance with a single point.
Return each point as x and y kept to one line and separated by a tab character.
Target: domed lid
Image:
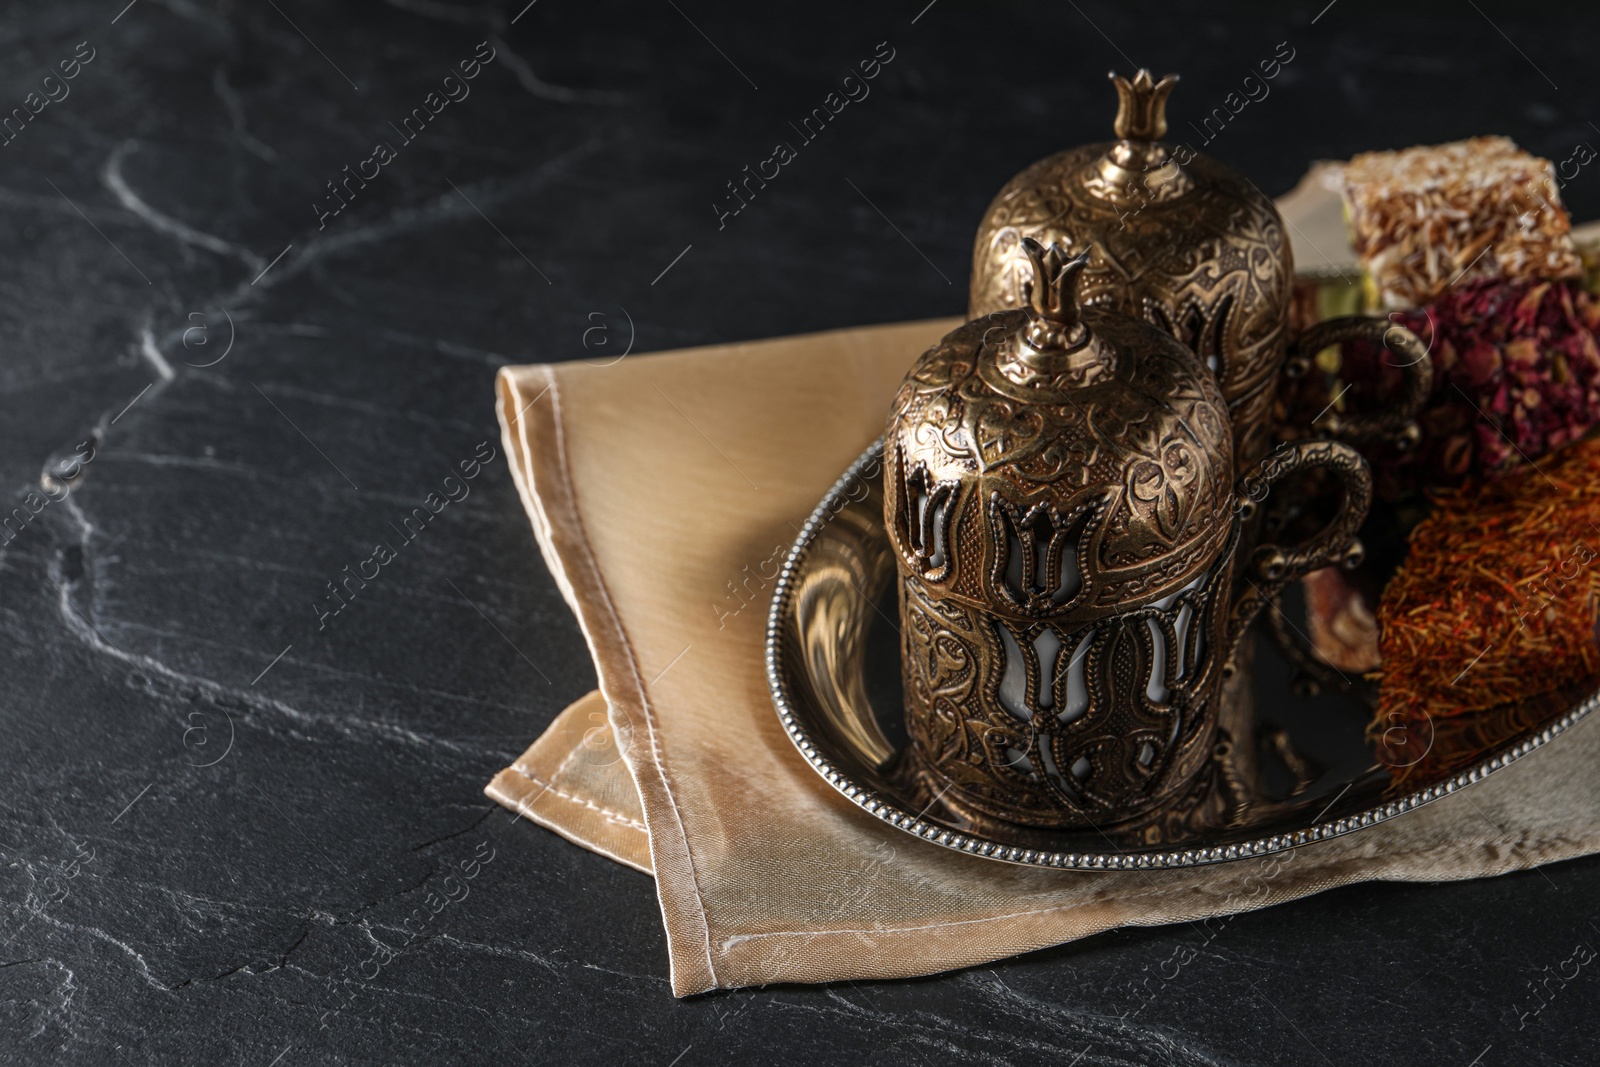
1057	461
1174	238
1135	196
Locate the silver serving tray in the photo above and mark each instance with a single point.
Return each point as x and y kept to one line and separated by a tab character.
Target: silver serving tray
833	665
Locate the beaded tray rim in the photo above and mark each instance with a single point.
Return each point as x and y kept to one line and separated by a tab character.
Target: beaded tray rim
889	810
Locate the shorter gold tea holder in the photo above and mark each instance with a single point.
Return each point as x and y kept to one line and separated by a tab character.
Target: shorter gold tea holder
1074	582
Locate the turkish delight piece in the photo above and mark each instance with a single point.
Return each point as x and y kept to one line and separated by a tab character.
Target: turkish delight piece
1426	218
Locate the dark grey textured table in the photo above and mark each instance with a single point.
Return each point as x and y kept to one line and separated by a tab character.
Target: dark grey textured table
221	798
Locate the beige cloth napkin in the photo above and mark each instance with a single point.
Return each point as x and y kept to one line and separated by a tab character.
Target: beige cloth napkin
664	491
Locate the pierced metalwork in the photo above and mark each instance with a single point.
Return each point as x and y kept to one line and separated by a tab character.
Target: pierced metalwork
1061	482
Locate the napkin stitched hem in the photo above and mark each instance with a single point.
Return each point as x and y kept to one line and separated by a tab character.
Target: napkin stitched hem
1503	853
566	548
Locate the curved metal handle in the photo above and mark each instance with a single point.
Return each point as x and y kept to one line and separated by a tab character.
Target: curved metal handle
1271	567
1398	425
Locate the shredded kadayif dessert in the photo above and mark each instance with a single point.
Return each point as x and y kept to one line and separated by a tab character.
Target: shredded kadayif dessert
1430	217
1497	603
